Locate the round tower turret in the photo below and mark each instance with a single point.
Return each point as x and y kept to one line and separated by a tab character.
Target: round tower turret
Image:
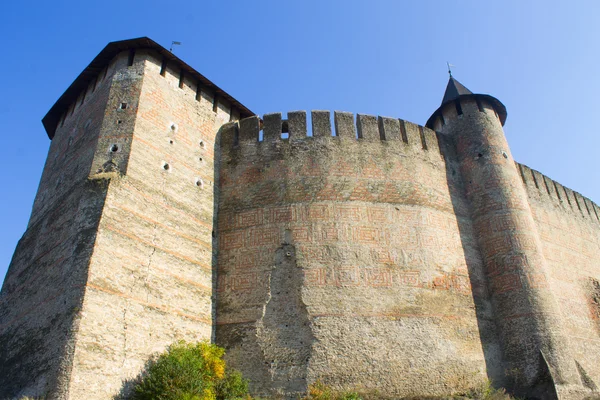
535	352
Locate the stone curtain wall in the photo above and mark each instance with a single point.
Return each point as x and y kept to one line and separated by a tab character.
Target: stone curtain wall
569	227
346	259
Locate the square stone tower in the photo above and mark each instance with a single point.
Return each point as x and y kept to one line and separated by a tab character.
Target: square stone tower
117	260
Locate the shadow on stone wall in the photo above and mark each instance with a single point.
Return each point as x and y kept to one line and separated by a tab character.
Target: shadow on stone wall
479	286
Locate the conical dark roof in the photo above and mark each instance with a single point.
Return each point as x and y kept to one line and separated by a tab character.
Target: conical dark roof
454	89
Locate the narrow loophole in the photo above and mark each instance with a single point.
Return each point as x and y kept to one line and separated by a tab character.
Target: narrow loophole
123	106
202	143
199	183
131	57
114	148
166	166
458	107
479	105
181	79
163	67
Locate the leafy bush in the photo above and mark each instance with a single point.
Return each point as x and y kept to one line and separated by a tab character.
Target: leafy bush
190	371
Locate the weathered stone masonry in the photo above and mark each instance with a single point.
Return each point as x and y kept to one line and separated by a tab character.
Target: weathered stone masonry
376	254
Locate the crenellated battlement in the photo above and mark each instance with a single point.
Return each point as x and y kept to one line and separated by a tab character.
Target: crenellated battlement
546	187
344	125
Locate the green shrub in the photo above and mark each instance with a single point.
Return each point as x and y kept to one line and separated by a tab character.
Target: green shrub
190	371
233	386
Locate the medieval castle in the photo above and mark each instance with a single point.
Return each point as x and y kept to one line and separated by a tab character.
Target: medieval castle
374	254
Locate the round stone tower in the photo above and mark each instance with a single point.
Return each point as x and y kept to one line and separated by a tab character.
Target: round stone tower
535	351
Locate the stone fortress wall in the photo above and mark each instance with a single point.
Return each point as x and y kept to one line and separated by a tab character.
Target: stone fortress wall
346	249
379	211
569	228
354	255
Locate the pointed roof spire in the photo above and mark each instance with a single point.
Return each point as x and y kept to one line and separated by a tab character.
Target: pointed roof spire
454	89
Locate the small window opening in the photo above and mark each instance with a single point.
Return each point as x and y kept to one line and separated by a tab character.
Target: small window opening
458	107
443	119
285	135
83	98
202	143
199	182
123	106
166	166
171	142
163	67
114	148
198	92
215	104
181	77
119	121
200	159
173	127
479	105
131	57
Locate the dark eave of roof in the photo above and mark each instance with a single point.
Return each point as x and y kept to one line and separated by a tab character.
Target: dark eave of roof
90	73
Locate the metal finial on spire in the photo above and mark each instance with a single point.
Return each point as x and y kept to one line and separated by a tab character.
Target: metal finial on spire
449	68
174	43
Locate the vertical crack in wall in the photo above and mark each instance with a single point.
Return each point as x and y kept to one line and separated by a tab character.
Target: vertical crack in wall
144	274
284	331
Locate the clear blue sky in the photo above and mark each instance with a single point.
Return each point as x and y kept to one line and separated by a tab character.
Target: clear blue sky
540	58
